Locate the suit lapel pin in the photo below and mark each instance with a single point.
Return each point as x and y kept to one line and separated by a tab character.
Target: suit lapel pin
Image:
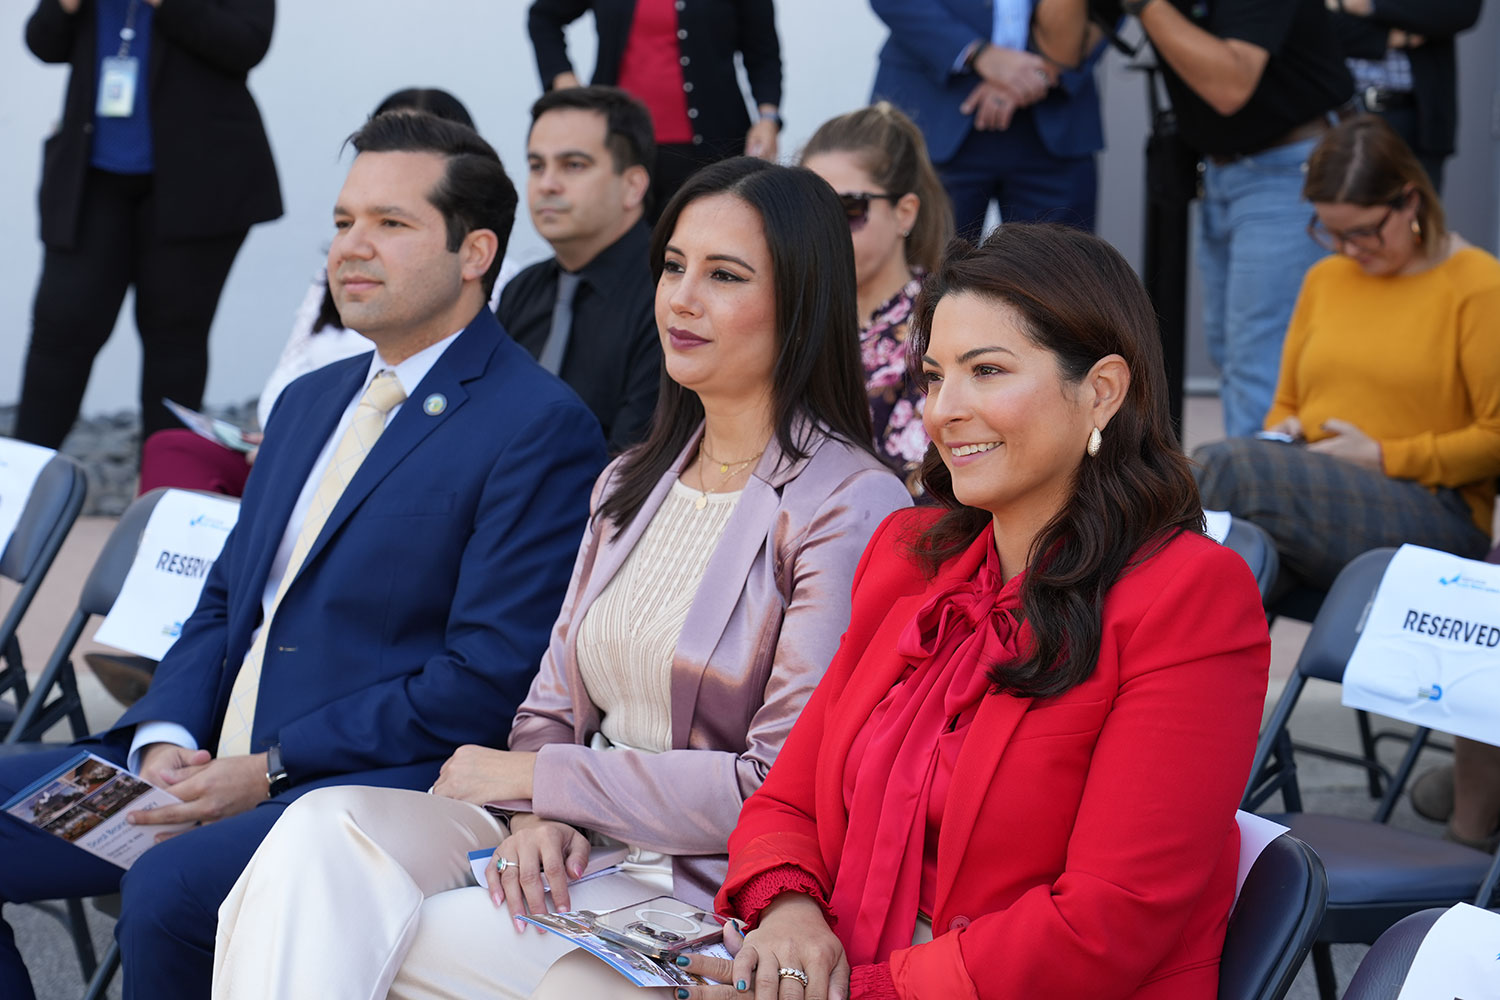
434	404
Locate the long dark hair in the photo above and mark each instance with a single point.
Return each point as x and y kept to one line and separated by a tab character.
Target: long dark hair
892	151
1080	301
434	101
818	374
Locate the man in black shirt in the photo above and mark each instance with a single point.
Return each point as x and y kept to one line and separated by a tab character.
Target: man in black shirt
1253	83
588	314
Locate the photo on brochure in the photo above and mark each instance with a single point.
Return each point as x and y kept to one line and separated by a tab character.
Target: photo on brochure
640	941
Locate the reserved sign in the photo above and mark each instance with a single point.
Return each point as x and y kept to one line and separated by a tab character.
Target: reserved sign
20	464
1429	652
177	551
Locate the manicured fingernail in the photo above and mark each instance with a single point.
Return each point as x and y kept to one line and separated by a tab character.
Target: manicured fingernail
682	994
682	960
741	985
520	924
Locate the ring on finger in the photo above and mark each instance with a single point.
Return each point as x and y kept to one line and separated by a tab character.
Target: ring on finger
797	974
503	863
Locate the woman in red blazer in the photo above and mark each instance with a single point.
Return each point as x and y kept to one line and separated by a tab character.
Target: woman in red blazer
1019	775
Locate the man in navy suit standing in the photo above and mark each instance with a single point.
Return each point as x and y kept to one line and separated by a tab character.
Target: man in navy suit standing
1001	122
403	545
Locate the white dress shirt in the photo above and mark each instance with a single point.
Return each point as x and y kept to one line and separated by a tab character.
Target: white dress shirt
410	374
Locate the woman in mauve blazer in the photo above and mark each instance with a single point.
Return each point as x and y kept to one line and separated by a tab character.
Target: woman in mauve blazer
746	662
1019	776
377	879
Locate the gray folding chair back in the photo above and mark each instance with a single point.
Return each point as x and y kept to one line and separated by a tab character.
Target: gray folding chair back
1256	548
53	506
38	714
1273	923
1377	873
1382	972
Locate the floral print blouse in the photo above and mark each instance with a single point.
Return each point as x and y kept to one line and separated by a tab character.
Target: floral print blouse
895	401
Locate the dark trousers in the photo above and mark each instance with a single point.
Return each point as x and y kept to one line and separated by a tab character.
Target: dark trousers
1322	512
675	163
171	897
1403	121
1016	171
177	286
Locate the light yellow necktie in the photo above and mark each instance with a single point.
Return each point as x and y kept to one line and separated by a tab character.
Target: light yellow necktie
384	394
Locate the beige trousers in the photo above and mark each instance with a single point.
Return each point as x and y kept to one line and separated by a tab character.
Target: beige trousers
360	893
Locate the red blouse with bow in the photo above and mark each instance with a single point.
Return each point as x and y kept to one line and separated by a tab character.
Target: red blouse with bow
1076	846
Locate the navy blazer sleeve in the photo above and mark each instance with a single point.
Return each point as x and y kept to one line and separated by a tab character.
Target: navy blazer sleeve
927	32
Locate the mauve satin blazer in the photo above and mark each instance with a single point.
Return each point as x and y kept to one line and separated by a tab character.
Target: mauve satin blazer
766	622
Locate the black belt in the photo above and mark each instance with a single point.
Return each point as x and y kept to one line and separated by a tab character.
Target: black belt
1382	99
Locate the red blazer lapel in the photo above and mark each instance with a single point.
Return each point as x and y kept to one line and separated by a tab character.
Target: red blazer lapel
973	775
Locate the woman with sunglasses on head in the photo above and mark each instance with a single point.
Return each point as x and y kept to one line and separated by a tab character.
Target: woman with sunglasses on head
900	220
707	599
1018	777
1386	423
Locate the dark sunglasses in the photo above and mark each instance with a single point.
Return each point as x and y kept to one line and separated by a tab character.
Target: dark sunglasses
857	206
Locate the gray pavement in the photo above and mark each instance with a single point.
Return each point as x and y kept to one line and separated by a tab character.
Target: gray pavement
41	929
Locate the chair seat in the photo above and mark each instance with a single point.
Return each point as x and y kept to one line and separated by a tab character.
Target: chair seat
1369	862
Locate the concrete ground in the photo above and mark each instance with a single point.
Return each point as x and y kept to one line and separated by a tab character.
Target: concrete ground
41	929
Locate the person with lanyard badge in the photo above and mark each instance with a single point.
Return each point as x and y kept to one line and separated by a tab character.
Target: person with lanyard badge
1253	84
133	196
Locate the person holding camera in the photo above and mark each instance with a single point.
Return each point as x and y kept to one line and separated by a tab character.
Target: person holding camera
1252	83
158	169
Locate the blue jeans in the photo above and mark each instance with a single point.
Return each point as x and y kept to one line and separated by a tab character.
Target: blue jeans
1253	250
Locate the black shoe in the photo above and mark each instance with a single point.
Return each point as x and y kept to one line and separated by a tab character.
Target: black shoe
125	677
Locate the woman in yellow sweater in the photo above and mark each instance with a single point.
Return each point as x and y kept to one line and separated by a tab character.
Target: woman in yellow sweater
1386	422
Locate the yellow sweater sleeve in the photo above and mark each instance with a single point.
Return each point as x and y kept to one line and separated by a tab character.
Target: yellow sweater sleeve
1471	453
1287	399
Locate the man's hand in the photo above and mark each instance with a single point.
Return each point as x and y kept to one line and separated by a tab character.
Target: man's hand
761	140
565	81
165	764
1026	76
479	775
69	6
991	106
210	789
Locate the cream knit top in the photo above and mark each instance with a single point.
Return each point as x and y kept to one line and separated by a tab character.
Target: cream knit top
628	636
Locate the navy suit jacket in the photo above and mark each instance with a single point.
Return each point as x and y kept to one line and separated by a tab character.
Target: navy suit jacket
422	610
916	74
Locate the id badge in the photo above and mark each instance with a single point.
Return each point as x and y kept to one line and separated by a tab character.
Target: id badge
117	77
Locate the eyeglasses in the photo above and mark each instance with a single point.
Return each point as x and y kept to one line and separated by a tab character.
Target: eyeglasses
1366	238
857	206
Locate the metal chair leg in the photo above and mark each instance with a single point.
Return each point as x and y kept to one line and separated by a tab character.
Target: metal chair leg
1328	980
83	941
1367	747
99	985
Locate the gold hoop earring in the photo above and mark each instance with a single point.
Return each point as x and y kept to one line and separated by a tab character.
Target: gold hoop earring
1096	441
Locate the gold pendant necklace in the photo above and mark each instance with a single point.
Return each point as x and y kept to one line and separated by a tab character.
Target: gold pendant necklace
727	471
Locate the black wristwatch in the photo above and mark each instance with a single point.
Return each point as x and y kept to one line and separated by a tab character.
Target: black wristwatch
1134	7
276	771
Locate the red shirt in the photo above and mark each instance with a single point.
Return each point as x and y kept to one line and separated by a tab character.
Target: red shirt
650	70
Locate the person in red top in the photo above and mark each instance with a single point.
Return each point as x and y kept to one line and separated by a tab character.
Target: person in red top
1019	776
677	57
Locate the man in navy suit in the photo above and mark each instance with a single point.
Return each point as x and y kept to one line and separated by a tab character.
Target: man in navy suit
1000	121
411	615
